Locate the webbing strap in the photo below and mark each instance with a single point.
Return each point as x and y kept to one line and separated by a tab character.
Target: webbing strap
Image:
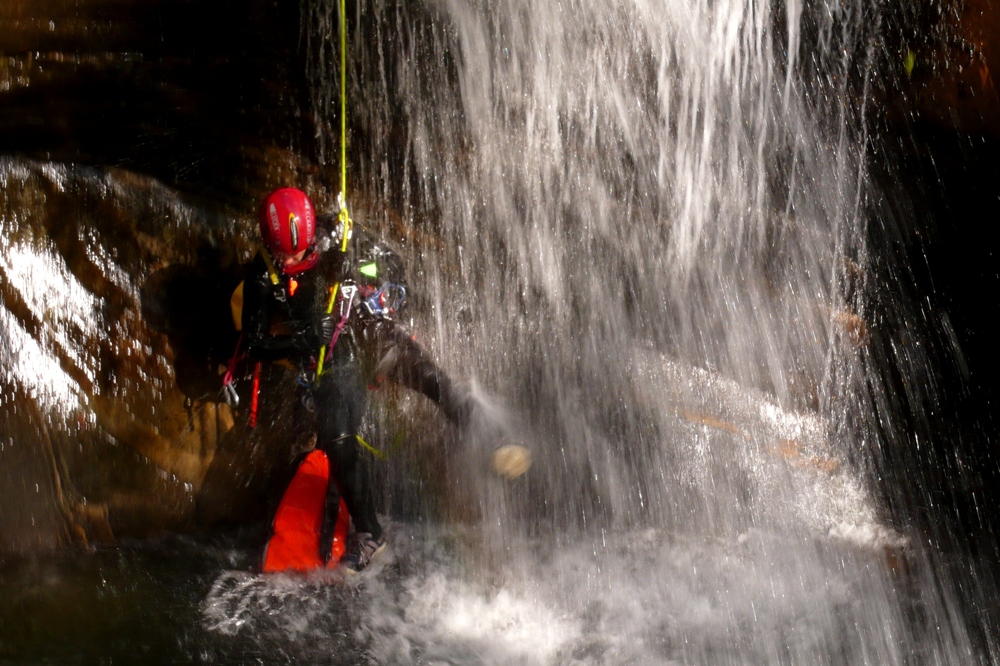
255	395
271	271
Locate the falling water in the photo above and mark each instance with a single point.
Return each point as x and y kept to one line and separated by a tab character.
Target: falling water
646	227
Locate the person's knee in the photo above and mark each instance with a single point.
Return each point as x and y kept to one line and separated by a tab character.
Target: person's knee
337	419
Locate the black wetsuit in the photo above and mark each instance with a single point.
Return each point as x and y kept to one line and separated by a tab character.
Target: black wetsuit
280	323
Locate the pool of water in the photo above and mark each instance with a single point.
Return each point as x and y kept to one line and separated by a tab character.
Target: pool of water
438	597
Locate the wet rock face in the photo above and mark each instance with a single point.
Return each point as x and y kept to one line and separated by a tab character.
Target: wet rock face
97	424
937	110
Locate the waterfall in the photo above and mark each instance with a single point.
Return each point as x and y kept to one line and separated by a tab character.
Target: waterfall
603	184
647	226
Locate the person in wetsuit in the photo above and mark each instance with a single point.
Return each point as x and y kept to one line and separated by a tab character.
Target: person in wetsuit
287	317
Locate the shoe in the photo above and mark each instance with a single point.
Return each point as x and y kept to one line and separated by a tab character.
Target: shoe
362	551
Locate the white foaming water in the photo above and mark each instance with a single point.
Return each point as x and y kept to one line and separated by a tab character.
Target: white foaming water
415	607
636	597
692	592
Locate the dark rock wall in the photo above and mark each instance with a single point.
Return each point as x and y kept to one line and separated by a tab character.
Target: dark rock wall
204	95
943	60
935	154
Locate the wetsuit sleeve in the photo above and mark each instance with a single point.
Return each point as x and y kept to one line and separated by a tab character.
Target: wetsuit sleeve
402	361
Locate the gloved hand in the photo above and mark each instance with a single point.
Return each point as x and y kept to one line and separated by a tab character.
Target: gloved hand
323	328
315	335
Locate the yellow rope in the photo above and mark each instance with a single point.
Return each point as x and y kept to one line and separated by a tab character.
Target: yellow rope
381	455
322	350
344	216
343	98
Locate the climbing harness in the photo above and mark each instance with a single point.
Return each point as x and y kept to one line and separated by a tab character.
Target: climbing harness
346	293
229	392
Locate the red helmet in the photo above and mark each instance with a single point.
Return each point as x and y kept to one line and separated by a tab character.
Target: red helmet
287	221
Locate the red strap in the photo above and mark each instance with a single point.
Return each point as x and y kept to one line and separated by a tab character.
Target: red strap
233	360
253	396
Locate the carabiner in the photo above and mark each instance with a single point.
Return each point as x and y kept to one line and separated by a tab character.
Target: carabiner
347	292
229	393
